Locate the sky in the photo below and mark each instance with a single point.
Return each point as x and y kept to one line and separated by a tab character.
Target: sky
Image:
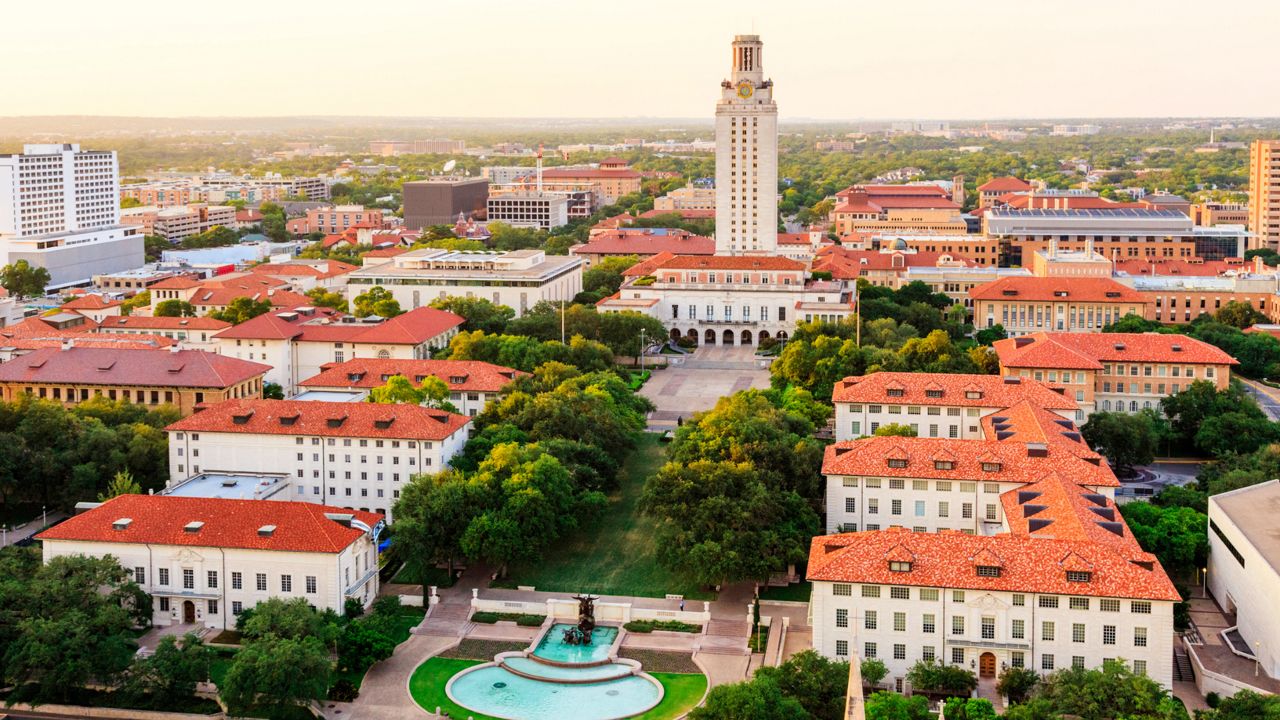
855	59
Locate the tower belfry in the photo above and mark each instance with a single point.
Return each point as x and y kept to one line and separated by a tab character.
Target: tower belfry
746	155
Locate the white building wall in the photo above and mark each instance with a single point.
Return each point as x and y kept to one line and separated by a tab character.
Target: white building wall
517	297
1250	589
356	473
1002	608
212	595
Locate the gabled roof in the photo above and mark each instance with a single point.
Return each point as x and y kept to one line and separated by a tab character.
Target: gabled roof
1057	289
1090	350
730	262
1008	183
146	322
90	301
333	419
320	324
163	520
461	375
949	389
632	242
104	366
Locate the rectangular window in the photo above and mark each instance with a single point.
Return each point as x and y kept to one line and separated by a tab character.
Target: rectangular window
1077	662
928	623
928	653
237	581
850	505
163	576
1140	607
211	578
1048	601
212	607
1018	659
988	628
1139	637
1140	667
957	596
842	589
261	579
957	656
188	579
237	607
286	583
899	651
957	624
311	584
944	509
1019	630
900	593
929	594
869	620
869	650
919	508
900	622
842	648
842	618
1046	662
1108	634
1109	605
1077	632
1077	603
1019	600
895	507
871	591
1047	631
140	575
966	511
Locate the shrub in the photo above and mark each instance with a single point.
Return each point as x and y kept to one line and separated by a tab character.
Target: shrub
1212	700
941	679
530	620
873	671
648	626
488	618
343	691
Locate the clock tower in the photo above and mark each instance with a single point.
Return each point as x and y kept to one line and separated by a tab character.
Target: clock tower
747	156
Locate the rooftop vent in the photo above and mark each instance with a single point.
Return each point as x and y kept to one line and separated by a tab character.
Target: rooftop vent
1118	346
1012	380
193	526
230	483
1096	499
1065	423
1106	513
842	450
355	376
1027	496
1093	460
1022	341
1059	293
266	531
1031	510
289	419
1009	293
1144	564
1072	436
1003	435
1037	450
1176	348
1113	294
107	366
336	422
1114	528
383	424
341	518
1034	525
122	524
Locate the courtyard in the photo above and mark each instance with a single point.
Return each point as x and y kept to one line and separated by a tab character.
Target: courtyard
702	378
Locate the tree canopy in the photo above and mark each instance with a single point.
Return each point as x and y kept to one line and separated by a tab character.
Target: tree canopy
377	300
24	280
478	313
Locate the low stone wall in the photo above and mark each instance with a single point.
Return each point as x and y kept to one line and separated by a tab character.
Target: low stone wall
1209	681
121	713
562	609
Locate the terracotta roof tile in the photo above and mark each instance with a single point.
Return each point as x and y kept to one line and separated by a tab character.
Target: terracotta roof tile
162	520
727	262
90	301
948	389
1090	350
145	322
103	366
325	325
640	242
461	375
1057	289
1008	183
305	417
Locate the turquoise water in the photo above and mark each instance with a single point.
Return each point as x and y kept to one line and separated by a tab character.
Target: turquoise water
530	666
554	648
494	691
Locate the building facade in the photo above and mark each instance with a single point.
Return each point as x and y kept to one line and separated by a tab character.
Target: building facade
349	454
205	561
1243	574
746	155
472	383
177	222
60	210
1025	305
690	197
1122	232
438	200
1264	193
338	218
529	208
1114	372
518	279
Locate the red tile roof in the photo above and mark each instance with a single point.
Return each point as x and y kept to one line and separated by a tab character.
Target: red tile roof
179	282
879	191
328	269
846	264
1008	183
305	417
317	324
727	262
1058	289
42	327
1194	267
118	342
648	266
461	375
158	368
921	389
162	520
223	296
869	457
882	203
691	214
386	252
1090	350
946	560
1029	200
90	301
639	242
592	173
143	322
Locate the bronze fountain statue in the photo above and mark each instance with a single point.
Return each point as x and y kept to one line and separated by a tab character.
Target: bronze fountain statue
580	634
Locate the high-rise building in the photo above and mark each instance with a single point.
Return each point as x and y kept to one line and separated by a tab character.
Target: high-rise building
438	200
60	210
747	156
1264	193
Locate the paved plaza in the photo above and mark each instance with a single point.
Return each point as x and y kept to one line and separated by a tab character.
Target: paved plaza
701	379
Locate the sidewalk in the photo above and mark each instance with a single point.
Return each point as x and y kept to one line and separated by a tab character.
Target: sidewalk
29	528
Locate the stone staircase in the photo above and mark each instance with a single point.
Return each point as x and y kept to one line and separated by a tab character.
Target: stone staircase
726	637
447	620
987	691
1182	670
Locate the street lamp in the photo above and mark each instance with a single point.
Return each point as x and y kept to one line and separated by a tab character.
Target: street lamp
641	349
44	517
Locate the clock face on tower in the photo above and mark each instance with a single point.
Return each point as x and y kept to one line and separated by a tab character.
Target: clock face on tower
745	89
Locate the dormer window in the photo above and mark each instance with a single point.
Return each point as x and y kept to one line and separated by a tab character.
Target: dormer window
895	392
973	394
943	465
933	393
897	463
899	566
991	571
1079	576
991	467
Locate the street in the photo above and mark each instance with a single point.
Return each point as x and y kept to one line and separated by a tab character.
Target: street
1268	398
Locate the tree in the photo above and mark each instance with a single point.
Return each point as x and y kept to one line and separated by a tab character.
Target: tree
139	300
988	336
362	643
873	670
398	389
276	673
1017	683
272	391
122	483
1218	422
605	277
432	514
23	280
1176	535
1239	315
1126	440
169	675
892	706
1134	324
175	308
290	619
1246	705
721	523
378	301
817	683
323	297
894	430
969	709
1112	691
241	309
478	313
933	676
749	701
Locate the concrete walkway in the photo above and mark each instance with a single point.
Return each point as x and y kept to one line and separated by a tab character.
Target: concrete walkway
384	694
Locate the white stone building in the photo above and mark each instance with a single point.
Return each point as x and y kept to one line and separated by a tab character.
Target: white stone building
1244	569
60	210
518	279
204	561
747	156
357	455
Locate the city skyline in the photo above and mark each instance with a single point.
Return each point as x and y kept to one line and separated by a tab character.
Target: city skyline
579	60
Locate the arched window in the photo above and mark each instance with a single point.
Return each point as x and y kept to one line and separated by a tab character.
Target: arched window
384	354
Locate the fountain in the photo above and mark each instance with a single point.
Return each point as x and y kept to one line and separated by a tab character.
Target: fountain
581	633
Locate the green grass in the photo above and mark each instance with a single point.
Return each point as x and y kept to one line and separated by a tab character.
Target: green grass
796	592
759	639
616	556
682	691
432	576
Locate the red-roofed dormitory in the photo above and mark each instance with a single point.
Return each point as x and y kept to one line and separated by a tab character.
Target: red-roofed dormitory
991	540
205	560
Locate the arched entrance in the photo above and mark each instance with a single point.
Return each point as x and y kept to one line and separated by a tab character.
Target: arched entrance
728	337
693	336
764	335
746	337
710	336
987	665
188	612
675	334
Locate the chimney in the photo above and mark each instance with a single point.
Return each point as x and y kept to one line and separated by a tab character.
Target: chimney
68	343
175	349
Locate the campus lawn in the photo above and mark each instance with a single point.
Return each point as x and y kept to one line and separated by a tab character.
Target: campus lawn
795	592
617	555
681	691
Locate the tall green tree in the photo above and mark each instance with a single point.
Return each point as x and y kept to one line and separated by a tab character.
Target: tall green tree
175	308
478	313
241	309
24	280
378	301
749	701
277	674
169	675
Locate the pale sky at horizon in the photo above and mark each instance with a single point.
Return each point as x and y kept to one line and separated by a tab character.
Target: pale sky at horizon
597	58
